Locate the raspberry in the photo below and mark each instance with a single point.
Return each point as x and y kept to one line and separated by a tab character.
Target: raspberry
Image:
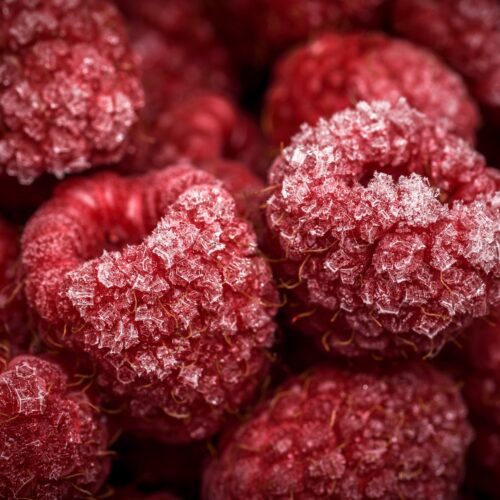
383	432
13	313
203	127
261	29
385	230
177	324
52	442
69	93
466	33
335	71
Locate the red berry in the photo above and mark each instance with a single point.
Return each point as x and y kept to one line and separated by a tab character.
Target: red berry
13	309
68	93
375	248
387	432
177	324
466	33
52	442
336	71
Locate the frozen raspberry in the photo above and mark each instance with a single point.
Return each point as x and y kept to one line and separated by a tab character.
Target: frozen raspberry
69	93
385	232
261	29
13	310
466	33
52	441
383	432
336	71
203	127
178	322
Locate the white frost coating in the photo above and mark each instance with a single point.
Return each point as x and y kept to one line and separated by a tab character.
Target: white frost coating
29	389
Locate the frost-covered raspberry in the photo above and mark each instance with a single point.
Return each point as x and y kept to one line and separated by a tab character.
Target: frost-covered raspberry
261	29
386	432
13	309
69	93
336	71
385	232
178	322
203	127
466	33
52	441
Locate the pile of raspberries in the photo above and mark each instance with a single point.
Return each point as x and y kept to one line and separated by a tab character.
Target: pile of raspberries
250	249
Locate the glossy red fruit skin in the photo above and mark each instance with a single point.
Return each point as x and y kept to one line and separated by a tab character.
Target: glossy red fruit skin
335	71
52	440
69	93
373	220
465	33
375	432
177	323
14	318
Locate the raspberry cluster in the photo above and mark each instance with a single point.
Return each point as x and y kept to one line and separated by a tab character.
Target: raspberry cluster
338	433
153	316
274	213
69	92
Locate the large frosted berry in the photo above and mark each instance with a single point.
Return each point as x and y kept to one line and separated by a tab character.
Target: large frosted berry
69	94
386	432
260	29
336	71
466	33
13	309
159	281
52	441
385	232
